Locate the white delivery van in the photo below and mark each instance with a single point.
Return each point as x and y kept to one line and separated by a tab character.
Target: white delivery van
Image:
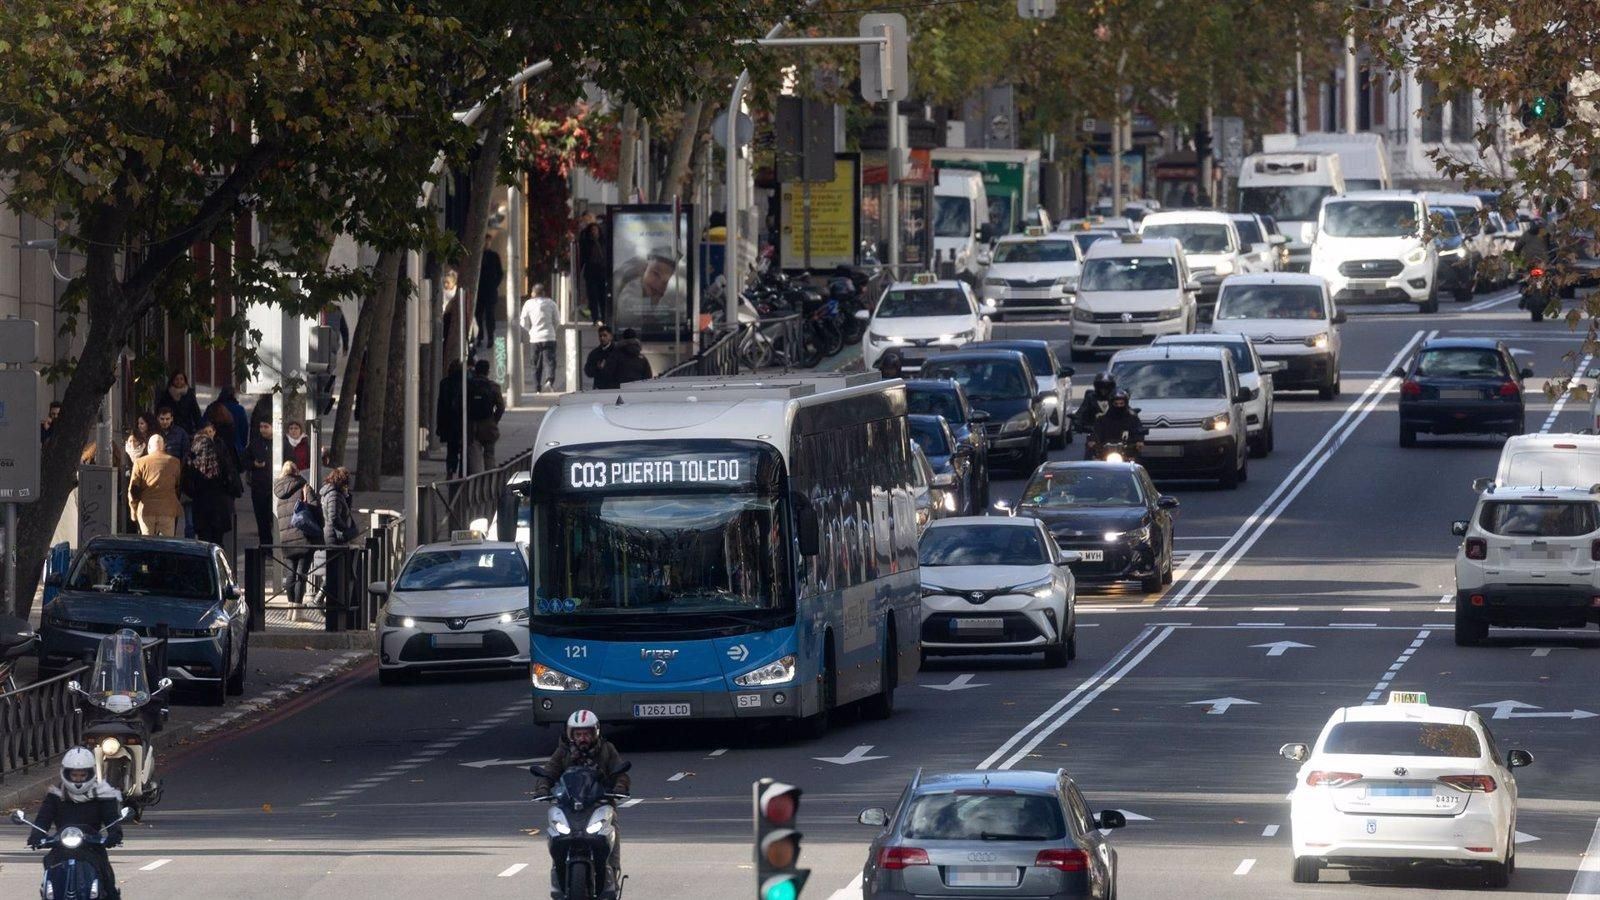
1290	188
1373	246
1553	460
1363	157
961	230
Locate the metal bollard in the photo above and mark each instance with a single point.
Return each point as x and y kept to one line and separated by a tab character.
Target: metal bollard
255	587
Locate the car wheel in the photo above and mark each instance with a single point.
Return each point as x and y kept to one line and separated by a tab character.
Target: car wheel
1055	655
1151	584
1431	305
236	679
1258	444
1498	875
217	694
1272	434
1230	475
1244	468
880	706
1072	643
1463	295
1469	631
1166	570
1306	869
1408	436
1329	390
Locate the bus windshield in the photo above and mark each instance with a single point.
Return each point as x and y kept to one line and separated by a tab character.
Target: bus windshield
663	553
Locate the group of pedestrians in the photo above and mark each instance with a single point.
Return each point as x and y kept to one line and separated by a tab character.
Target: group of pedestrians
187	465
473	450
308	518
613	363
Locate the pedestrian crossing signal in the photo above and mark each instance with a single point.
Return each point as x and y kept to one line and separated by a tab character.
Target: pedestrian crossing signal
777	843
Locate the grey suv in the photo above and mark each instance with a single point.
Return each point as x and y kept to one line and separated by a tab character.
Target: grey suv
991	834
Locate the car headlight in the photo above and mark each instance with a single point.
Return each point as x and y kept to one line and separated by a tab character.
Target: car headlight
1217	422
548	679
109	746
1082	315
1019	422
779	672
944	479
515	615
885	338
558	821
1318	341
959	336
1225	267
933	590
1044	587
1070	282
1417	255
1170	313
1142	533
393	621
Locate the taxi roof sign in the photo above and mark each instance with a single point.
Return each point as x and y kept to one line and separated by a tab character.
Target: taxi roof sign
1418	698
1034	231
465	537
924	278
1132	238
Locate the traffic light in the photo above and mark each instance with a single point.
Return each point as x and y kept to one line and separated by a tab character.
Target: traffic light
1548	108
1202	142
777	842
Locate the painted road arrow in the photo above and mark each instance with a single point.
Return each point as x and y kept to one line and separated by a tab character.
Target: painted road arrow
1277	648
961	683
1543	651
859	754
486	763
1510	709
1221	704
1524	838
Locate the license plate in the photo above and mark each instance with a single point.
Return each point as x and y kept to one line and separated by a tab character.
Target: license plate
1092	555
1168	450
1367	286
975	624
1402	792
458	640
981	876
1124	331
661	710
1461	395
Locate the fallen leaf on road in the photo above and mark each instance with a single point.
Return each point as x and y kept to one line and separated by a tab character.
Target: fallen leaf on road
266	807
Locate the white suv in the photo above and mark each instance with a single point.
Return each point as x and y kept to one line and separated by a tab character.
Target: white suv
1372	246
1530	558
1193	410
1131	291
1211	244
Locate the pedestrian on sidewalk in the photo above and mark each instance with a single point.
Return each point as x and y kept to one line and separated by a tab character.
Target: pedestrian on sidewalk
50	419
177	440
601	366
258	462
209	481
296	447
153	490
338	531
491	275
596	271
454	304
186	409
631	364
293	546
138	442
239	421
539	320
448	419
486	404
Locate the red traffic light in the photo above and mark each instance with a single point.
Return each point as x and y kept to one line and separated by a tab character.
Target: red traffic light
779	802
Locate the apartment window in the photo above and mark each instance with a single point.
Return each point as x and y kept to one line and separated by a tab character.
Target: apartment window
1432	114
1461	124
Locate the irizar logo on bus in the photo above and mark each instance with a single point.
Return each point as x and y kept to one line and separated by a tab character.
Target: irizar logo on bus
653	472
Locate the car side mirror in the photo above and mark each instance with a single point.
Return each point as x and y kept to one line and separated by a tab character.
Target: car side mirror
1277	240
1399	372
985	232
378	587
1459	528
806	517
1192	286
1110	818
1525	373
1517	759
1069	557
979	416
875	817
1245	395
18	817
1295	752
988	309
1166	502
1482	484
1340	317
863	315
1066	372
54	579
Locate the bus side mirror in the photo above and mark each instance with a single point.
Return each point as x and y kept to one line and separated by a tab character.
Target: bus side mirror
806	524
506	515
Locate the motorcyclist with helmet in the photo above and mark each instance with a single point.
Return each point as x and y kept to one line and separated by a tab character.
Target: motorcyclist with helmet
582	745
1119	424
1095	402
890	364
83	801
1532	251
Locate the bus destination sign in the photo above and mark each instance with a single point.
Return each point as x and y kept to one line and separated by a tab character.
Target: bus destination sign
691	472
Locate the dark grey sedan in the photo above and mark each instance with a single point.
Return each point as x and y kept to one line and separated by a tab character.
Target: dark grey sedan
968	835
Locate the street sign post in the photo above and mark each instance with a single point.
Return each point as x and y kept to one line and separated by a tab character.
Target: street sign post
885	70
1229	141
1036	9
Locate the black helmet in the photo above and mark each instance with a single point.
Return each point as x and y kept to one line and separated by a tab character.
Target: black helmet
1121	396
1105	383
890	358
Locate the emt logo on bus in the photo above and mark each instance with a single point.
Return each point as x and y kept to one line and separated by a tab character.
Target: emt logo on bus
651	472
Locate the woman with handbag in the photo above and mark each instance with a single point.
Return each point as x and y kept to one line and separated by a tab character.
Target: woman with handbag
212	481
293	542
338	530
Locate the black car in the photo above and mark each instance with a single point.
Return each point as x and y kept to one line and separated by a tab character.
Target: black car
1001	383
948	399
955	486
1458	264
1053	379
1461	386
1109	513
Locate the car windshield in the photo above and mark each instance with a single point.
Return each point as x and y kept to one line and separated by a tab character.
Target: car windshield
473	567
1085	241
1083	487
1536	519
1237	349
935	403
1036	251
144	571
1370	218
1170	379
1248	232
667	553
1403	739
930	434
1197	237
1271	301
1460	362
923	302
985	816
1286	203
1129	273
984	379
983	545
952	217
1467	218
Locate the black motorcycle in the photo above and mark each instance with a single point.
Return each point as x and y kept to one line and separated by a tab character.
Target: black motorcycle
17	639
75	876
582	832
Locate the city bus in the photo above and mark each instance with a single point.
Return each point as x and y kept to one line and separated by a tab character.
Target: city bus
724	548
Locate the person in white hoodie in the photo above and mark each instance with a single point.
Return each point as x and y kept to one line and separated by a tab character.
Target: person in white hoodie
538	320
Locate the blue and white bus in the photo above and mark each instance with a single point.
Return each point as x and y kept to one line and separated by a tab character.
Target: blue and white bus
724	548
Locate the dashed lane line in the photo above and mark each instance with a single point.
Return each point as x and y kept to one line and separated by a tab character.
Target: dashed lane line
427	754
1399	663
1245	866
1269	831
513	869
151	867
1561	402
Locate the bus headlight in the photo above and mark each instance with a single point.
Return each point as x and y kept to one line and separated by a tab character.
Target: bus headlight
778	672
548	679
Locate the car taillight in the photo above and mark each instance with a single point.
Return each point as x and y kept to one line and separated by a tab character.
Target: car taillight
1476	783
1478	548
1062	860
1331	779
1594	551
1536	272
1510	389
1410	389
901	857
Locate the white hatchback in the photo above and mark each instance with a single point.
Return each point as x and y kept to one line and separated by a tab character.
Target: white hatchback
456	605
1033	272
920	318
1404	783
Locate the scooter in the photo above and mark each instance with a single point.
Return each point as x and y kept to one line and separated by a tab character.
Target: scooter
122	714
583	832
75	876
1535	293
17	639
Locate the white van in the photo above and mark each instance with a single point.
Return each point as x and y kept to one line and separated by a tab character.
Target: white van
1552	460
1211	244
961	230
1290	188
1363	157
1373	246
1291	319
1131	291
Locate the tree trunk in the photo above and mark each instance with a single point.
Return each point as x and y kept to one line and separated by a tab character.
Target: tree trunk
374	380
484	176
673	185
347	383
627	151
708	112
394	397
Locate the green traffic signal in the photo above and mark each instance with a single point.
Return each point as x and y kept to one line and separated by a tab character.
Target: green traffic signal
782	887
1539	107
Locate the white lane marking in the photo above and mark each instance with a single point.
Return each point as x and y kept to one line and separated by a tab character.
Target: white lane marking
1400	661
1261	625
677	776
851	891
513	869
1491	302
635	801
151	867
1355	624
1561	401
1244	867
1194	590
1357	609
1201	537
717	753
1269	831
1586	883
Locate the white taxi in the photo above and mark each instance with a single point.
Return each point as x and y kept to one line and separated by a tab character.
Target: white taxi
922	317
461	604
1033	272
1393	785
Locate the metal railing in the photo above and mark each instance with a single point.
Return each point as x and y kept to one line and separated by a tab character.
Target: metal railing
337	573
446	506
718	357
39	723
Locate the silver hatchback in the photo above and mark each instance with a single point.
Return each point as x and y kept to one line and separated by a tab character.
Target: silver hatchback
991	834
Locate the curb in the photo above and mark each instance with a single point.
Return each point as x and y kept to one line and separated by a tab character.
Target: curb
310	639
24	788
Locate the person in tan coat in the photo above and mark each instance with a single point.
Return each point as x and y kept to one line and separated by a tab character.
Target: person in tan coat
153	490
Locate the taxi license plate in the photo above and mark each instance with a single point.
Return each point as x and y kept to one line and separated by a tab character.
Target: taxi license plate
1092	555
981	876
1461	395
661	710
458	640
1163	450
976	624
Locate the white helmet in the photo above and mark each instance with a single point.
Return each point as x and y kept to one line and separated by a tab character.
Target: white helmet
583	718
77	774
